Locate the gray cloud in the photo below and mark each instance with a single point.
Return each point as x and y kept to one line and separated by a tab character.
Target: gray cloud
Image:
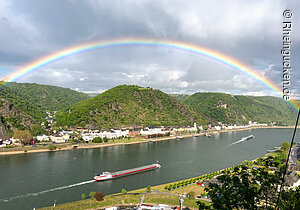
249	31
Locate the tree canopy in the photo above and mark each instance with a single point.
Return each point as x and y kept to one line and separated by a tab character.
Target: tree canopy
245	188
23	135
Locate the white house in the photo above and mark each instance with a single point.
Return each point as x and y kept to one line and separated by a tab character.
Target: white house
230	127
88	137
151	131
57	139
42	137
218	128
66	137
121	132
50	121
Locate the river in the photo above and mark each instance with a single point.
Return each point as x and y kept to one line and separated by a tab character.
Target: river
35	180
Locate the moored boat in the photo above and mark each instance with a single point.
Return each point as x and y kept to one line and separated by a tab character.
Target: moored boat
112	175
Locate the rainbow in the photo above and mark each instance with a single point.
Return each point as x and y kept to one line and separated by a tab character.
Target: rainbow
37	64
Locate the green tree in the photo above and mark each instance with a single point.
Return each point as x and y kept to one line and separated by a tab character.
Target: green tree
37	129
92	194
259	161
244	188
285	146
148	188
51	147
247	163
290	199
105	139
97	140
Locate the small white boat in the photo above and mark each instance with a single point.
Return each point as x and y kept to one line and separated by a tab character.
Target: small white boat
247	138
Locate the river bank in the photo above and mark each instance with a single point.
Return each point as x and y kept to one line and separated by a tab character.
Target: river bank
118	142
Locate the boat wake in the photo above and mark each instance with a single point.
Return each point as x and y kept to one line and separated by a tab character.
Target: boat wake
45	191
243	139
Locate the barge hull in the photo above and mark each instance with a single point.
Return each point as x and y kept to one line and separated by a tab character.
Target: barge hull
134	170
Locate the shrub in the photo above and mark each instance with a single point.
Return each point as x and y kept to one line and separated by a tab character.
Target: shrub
51	147
148	188
259	161
192	195
123	191
25	150
203	194
99	196
97	140
285	146
105	139
92	194
83	196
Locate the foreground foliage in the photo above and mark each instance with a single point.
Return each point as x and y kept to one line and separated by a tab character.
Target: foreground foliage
245	188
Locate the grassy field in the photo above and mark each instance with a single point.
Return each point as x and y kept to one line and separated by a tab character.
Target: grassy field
131	199
126	200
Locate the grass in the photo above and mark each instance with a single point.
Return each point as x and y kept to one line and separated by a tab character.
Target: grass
125	200
194	187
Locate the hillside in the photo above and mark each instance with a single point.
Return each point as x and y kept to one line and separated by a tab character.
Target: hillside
129	105
48	98
233	109
24	106
179	97
16	112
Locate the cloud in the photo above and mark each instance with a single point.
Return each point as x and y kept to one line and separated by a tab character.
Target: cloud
248	31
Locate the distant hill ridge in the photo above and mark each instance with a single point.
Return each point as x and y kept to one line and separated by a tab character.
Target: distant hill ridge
232	109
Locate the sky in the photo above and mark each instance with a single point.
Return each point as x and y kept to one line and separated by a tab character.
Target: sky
249	31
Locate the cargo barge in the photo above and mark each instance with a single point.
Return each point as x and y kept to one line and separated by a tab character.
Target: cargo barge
112	175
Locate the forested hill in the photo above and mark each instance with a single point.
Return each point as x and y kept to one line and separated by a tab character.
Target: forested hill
233	109
180	97
48	98
22	106
129	105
